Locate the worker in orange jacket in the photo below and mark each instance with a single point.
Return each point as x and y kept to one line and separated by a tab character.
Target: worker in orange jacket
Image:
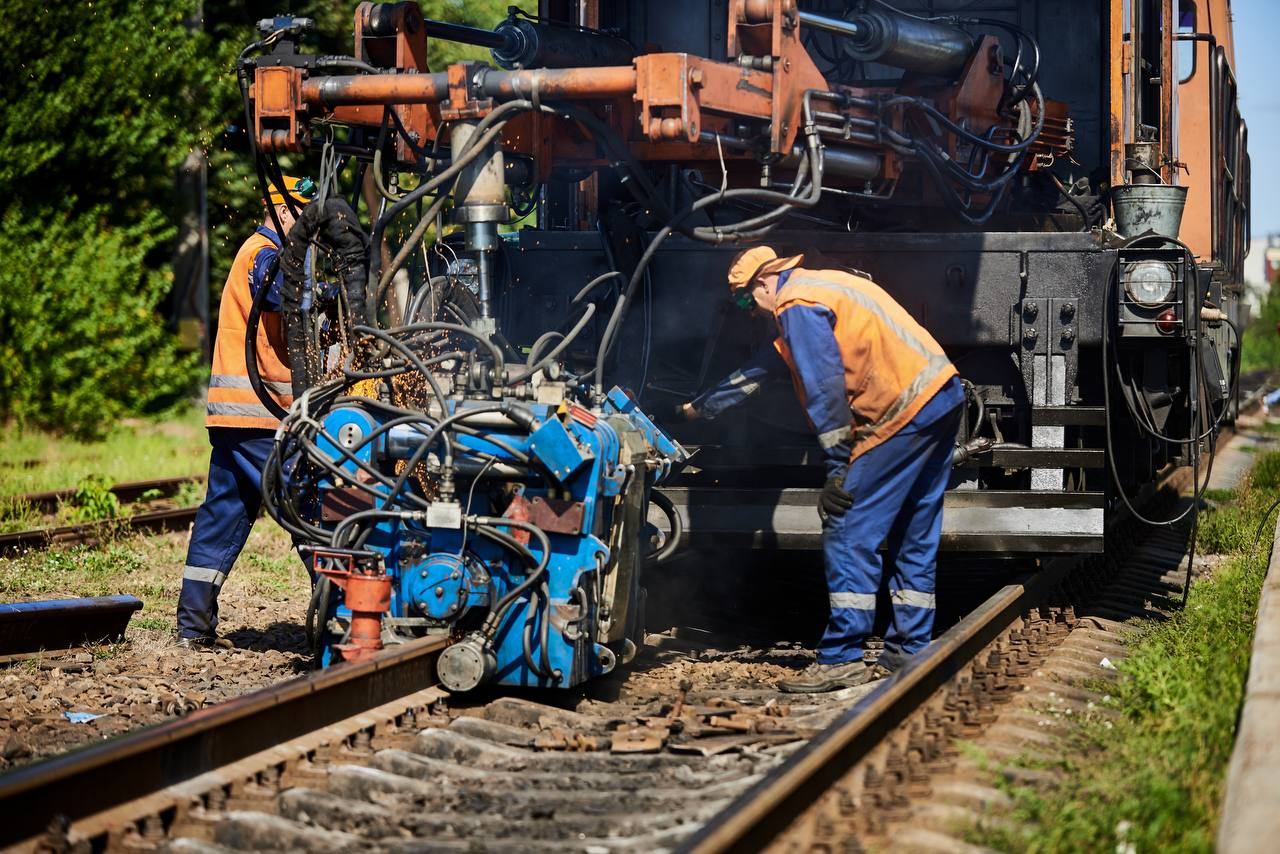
241	429
885	402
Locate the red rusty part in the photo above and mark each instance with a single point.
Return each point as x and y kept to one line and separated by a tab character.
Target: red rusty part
405	51
519	510
368	592
276	107
461	104
339	503
368	596
583	416
556	515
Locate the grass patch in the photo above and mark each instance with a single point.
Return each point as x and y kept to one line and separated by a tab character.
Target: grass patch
135	449
1152	778
150	567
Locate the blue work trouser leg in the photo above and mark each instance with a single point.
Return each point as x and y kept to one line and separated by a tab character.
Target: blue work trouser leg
912	548
222	523
901	478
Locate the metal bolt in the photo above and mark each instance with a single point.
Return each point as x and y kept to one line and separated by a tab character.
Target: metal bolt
1068	335
1030	335
455	575
1030	310
695	77
1068	312
424	573
439	592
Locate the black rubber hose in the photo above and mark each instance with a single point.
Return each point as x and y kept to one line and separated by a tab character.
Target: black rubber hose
334	227
494	619
668	508
251	345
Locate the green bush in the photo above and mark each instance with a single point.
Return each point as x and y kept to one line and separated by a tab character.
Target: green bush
1261	350
80	342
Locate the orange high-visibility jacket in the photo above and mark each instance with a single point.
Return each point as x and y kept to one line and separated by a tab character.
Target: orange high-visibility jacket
892	365
232	402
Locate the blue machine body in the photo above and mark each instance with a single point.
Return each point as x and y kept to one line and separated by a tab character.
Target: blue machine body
583	477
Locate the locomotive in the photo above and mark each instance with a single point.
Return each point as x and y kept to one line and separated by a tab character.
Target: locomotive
530	251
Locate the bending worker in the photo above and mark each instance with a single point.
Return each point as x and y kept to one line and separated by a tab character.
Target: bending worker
241	429
885	403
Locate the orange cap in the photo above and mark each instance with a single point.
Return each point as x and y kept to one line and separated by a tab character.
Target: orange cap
758	261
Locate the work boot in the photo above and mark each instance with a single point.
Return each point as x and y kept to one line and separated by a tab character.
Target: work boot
204	642
818	678
891	661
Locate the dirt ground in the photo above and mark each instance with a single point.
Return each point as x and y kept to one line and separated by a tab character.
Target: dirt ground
148	678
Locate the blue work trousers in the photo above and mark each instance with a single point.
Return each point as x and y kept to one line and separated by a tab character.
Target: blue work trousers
222	524
897	490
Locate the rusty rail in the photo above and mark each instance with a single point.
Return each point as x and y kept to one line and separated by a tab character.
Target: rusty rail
39	538
760	815
47	502
79	784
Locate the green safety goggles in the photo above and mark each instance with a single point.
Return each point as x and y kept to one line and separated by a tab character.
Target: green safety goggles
743	298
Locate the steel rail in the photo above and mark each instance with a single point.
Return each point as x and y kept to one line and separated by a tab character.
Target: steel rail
39	538
125	492
53	625
105	775
757	817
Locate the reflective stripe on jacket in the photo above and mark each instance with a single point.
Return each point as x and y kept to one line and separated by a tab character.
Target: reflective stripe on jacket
892	365
232	402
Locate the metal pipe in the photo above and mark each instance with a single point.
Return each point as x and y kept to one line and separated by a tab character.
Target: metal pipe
831	25
564	83
468	35
606	81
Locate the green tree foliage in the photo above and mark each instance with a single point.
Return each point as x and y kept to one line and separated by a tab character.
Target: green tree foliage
98	109
80	343
101	101
1262	339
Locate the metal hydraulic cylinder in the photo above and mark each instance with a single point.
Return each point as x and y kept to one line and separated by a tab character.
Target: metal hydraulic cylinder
902	41
480	203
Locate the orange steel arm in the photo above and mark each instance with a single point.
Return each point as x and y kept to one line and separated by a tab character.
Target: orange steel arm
574	83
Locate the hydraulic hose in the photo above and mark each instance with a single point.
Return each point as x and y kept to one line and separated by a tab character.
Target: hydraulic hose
333	225
487	525
251	346
676	522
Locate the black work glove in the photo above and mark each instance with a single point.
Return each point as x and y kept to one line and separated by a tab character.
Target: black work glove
835	501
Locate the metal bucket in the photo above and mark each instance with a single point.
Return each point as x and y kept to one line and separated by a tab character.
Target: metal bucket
1141	208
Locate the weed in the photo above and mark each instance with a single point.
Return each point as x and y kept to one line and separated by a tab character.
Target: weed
17	514
94	500
1151	777
1220	496
189	494
154	624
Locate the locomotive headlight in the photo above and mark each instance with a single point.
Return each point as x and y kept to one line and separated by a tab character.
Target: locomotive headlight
1150	283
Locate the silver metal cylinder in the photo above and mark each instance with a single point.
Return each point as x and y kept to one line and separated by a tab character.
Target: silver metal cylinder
481	182
480	201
